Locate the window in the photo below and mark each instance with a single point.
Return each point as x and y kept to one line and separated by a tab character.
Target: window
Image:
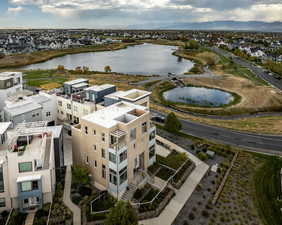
69	106
122	156
2	189
75	108
113	139
103	136
25	167
113	177
112	157
122	175
104	171
26	186
152	151
48	113
133	134
2	202
94	147
35	185
152	135
144	127
94	132
60	103
95	163
87	160
86	130
103	153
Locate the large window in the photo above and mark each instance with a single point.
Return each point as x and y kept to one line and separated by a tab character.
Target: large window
122	156
2	189
104	171
113	177
122	175
26	186
69	106
112	157
133	134
152	135
152	151
103	153
86	130
2	202
25	167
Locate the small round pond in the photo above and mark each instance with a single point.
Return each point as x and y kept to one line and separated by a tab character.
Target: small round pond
199	96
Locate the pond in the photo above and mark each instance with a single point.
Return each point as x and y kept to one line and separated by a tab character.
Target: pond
145	59
199	96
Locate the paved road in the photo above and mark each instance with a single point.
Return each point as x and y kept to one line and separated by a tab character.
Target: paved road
256	70
260	143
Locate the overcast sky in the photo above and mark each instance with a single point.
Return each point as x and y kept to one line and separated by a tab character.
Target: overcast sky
121	13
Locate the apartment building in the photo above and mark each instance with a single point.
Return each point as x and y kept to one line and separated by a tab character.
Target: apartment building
117	144
75	86
10	83
30	155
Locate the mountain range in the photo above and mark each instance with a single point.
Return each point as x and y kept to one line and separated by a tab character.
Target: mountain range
215	25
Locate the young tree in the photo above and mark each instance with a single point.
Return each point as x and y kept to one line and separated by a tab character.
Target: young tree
122	214
80	175
172	124
108	69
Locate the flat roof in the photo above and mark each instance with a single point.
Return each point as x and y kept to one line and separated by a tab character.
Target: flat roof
22	107
7	75
79	85
135	95
72	82
4	127
109	116
116	95
39	98
100	87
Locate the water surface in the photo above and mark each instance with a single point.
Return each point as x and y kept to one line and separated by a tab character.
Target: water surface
199	96
145	59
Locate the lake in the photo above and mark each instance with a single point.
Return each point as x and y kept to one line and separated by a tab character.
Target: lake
145	59
199	96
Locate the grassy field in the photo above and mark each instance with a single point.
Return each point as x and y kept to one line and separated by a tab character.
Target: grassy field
18	60
268	191
46	78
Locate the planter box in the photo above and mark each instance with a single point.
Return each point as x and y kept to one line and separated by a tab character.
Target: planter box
186	174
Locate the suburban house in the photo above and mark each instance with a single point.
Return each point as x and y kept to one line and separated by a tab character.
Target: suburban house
117	144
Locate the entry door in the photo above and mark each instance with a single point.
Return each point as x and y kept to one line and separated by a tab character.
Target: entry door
33	201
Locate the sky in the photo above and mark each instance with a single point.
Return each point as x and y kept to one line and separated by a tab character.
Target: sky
122	13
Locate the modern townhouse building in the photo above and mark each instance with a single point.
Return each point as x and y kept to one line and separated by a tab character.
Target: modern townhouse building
39	107
117	144
29	159
10	83
75	86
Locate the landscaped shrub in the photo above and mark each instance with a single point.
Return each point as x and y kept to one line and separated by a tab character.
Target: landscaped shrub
202	156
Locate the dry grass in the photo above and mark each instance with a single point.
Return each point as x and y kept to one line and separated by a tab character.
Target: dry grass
50	86
253	96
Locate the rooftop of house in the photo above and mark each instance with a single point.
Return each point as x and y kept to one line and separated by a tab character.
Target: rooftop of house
132	95
73	82
21	107
8	75
80	85
99	87
122	112
4	127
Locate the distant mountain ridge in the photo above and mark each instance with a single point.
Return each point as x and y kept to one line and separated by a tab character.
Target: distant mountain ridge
216	25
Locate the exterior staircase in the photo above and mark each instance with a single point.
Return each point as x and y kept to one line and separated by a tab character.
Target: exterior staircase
128	194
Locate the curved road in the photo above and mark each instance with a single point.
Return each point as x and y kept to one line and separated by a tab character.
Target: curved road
258	142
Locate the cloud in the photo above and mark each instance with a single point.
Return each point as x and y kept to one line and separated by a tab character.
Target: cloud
15	10
142	11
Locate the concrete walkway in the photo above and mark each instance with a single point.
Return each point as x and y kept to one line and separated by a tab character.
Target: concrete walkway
67	200
176	204
29	219
183	194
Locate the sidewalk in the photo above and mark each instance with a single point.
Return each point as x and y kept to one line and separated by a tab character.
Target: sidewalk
29	219
181	196
74	208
